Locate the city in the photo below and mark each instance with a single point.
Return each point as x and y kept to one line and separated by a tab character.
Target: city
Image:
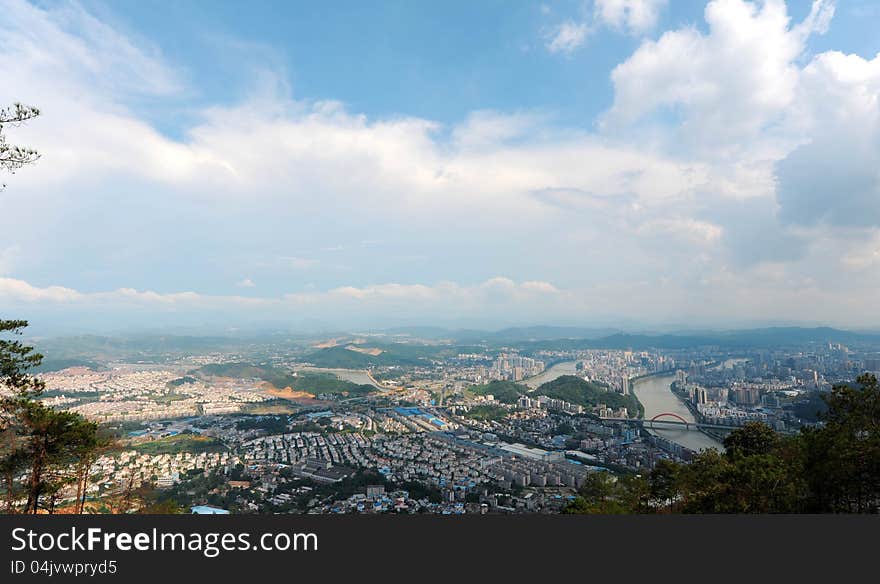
517	427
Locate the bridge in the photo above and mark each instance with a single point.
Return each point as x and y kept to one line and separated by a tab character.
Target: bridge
662	421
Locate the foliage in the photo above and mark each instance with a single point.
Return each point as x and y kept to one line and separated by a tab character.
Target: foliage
52	449
573	389
507	392
314	382
604	493
834	468
165	507
325	383
182	381
271	424
13	157
15	361
811	408
343	358
752	439
389	354
842	459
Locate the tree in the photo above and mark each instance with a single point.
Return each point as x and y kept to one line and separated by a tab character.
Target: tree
664	482
701	483
842	458
17	389
13	157
56	442
16	359
604	493
578	506
753	438
38	442
833	468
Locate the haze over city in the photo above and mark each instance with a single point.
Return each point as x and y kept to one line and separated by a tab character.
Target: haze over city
635	163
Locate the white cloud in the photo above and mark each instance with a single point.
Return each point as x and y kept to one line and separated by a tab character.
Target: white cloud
568	36
635	16
64	47
769	121
493	296
833	178
14	290
619	223
729	87
863	257
246	283
690	230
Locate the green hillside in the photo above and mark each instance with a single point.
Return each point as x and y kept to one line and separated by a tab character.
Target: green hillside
342	358
504	391
318	383
312	382
577	391
236	370
392	354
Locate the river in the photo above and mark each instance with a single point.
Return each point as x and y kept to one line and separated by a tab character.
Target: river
558	370
656	396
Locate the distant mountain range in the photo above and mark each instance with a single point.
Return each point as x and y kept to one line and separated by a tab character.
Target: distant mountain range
615	338
527	333
412	345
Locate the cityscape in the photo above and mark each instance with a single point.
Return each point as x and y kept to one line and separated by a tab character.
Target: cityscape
566	257
377	422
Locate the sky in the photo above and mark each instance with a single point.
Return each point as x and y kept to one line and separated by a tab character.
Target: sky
633	163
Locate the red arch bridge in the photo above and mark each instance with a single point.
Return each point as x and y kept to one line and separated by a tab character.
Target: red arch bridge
669	421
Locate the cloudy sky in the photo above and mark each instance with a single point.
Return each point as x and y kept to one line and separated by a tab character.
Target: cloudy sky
638	162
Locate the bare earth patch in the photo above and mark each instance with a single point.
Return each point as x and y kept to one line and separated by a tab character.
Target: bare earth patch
365	350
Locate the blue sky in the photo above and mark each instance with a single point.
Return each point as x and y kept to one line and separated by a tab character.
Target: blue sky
489	163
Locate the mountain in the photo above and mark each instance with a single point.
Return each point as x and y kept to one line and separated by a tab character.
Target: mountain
763	338
573	389
506	392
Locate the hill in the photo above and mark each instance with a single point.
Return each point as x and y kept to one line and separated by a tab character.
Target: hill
326	383
367	355
573	389
237	370
771	337
343	358
504	391
309	382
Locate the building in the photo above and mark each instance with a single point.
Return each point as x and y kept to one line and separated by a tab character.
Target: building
375	491
746	396
322	471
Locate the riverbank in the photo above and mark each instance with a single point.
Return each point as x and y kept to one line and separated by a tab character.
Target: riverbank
551	373
656	396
